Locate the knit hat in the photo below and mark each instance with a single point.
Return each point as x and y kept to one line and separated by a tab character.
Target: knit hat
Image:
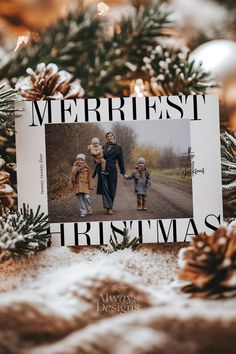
80	156
95	141
141	160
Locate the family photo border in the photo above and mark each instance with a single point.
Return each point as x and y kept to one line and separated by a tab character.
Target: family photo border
137	170
201	110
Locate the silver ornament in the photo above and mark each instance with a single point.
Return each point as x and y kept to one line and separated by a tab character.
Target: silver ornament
218	57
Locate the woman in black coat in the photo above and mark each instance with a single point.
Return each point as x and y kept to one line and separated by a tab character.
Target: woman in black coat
107	183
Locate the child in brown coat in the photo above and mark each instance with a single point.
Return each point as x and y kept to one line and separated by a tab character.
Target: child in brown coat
80	180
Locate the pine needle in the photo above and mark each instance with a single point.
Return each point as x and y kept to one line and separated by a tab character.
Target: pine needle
23	233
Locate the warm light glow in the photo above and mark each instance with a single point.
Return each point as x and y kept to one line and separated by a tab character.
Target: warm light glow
232	122
102	9
21	40
138	88
230	94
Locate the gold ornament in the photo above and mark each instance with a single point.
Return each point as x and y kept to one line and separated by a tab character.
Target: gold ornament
209	265
47	82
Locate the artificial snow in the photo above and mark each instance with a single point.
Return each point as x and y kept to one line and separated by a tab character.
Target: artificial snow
50	304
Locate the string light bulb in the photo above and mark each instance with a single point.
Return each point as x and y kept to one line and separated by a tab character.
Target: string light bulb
102	9
139	88
21	40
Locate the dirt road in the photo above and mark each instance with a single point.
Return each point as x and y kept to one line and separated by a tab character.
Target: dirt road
166	199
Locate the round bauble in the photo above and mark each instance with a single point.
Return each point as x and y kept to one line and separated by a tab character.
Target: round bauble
218	57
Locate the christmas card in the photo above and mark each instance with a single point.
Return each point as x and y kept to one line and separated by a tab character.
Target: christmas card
97	166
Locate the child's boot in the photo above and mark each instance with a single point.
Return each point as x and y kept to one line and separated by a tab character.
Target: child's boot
139	203
144	203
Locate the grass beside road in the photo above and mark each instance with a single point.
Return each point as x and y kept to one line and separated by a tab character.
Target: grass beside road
175	174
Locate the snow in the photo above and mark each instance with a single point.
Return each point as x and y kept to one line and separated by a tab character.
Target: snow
60	290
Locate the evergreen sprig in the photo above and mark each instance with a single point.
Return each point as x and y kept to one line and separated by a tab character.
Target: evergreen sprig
174	73
125	243
119	56
230	4
23	233
106	59
80	44
8	111
68	43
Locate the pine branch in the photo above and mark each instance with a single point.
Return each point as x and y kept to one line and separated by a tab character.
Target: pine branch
23	233
120	55
68	43
8	98
125	243
171	72
230	4
80	44
133	51
105	64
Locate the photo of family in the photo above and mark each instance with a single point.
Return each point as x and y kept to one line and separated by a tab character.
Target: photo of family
130	170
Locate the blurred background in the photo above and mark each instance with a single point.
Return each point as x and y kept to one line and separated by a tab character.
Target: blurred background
206	27
53	49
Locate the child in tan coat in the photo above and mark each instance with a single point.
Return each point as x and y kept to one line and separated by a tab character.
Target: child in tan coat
80	180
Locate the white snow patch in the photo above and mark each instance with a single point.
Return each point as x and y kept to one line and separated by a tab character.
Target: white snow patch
65	284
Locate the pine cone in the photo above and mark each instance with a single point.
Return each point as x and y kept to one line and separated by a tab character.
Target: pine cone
7	174
46	82
228	162
7	193
209	265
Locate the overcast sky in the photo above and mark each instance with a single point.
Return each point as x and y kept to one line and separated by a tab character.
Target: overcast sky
174	132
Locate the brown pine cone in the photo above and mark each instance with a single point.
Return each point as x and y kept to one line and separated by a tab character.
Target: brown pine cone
47	82
209	265
7	174
7	198
4	177
228	163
